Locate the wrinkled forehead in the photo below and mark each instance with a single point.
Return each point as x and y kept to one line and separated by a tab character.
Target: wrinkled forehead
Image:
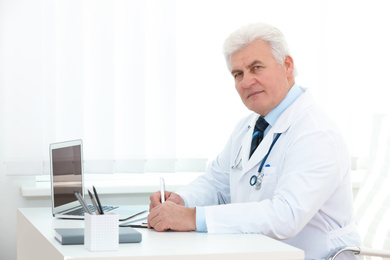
254	48
257	52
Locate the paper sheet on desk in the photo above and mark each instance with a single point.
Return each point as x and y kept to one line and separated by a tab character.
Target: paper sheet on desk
130	212
140	221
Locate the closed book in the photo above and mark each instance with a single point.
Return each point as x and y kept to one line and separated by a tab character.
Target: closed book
75	236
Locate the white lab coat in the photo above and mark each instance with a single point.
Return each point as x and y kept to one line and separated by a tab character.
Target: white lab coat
306	194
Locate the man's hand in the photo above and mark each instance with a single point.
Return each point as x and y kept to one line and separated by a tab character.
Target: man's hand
155	199
170	215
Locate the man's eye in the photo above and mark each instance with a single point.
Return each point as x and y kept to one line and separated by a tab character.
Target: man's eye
237	75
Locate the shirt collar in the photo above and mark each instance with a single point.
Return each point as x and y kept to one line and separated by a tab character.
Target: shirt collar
291	96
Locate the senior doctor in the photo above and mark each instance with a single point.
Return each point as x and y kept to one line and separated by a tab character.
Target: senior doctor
295	186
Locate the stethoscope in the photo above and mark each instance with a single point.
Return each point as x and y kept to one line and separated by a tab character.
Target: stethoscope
257	180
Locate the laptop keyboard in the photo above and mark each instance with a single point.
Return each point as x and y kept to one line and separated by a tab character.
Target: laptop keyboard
80	211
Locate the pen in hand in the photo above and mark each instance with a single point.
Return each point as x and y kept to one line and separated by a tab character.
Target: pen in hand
162	189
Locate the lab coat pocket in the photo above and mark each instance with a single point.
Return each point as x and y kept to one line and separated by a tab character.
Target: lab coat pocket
269	174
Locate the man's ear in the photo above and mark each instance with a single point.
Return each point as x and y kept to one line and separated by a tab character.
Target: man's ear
289	66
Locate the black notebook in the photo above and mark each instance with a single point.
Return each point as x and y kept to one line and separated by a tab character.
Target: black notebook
75	236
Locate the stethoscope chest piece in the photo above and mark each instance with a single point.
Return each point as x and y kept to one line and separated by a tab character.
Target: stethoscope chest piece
255	181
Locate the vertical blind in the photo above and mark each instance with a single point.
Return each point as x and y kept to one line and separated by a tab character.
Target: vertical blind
146	87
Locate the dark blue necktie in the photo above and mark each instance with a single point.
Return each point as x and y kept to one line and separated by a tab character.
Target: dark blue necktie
258	134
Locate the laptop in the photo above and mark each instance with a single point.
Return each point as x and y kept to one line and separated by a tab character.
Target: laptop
66	177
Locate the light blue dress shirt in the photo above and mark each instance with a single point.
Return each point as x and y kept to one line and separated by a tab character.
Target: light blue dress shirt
271	118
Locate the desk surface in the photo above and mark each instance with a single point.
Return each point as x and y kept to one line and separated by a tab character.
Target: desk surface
36	241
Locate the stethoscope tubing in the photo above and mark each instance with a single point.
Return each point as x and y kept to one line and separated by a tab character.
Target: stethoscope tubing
257	180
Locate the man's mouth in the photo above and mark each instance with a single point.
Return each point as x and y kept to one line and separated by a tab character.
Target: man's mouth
254	93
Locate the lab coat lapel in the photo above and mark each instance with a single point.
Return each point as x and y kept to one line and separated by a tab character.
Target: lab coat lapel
247	141
262	149
282	124
260	152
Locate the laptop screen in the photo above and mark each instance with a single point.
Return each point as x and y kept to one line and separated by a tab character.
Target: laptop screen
66	163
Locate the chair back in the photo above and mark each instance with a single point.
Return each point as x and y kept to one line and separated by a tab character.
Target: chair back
372	203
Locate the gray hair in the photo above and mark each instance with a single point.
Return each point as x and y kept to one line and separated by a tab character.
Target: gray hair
258	31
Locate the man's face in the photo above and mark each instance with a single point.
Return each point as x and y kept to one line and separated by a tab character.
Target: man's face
260	81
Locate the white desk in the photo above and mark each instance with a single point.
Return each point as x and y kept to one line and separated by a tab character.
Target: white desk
36	241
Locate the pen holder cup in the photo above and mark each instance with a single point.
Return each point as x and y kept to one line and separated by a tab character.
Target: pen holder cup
101	232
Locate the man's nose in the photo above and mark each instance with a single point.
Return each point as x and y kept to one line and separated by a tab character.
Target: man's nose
248	81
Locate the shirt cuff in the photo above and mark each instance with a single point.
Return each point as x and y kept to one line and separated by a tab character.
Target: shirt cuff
200	219
185	202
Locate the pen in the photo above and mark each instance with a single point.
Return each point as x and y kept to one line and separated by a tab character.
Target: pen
100	208
82	202
162	189
94	203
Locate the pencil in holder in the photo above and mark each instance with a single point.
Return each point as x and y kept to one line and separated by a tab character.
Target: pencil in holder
101	232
